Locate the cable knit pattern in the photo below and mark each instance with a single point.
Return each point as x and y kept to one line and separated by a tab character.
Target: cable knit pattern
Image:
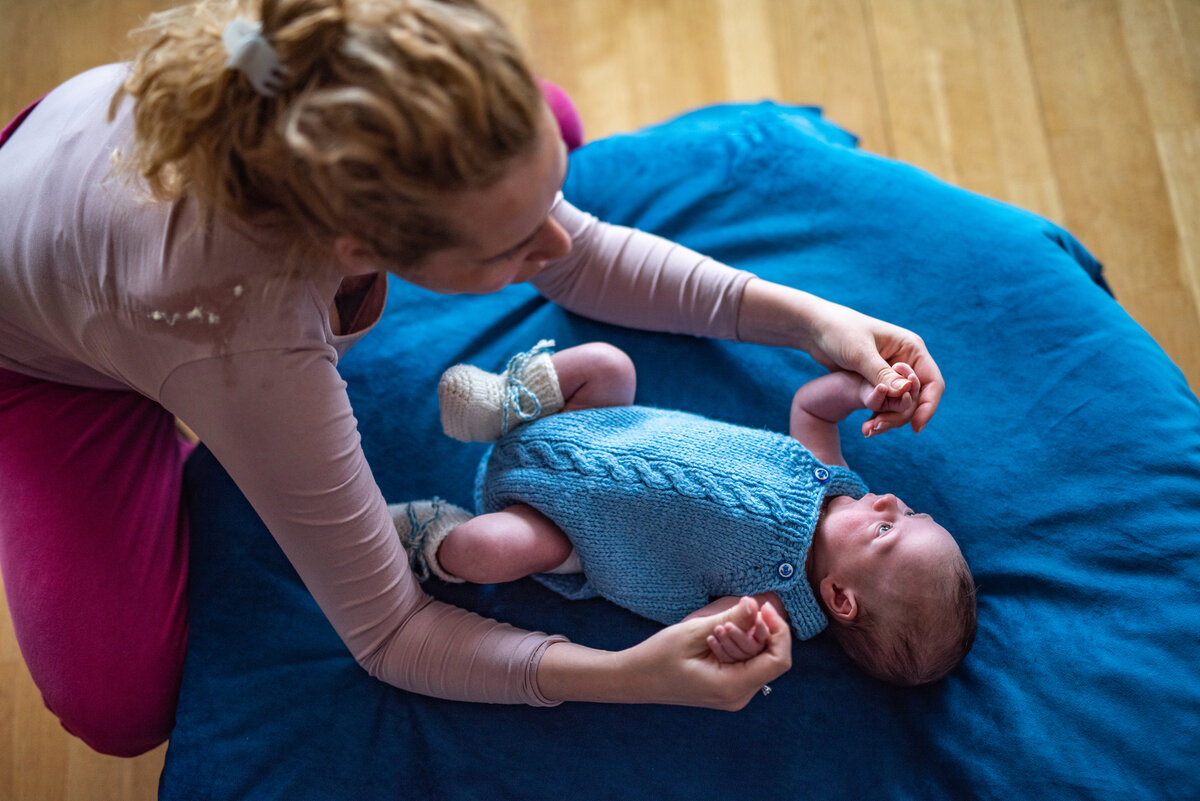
668	509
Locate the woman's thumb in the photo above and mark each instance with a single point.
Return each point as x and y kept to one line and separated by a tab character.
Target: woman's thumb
742	614
885	374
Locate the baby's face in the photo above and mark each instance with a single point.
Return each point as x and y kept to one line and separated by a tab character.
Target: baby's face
877	541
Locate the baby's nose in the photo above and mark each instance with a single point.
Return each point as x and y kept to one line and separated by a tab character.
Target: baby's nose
887	501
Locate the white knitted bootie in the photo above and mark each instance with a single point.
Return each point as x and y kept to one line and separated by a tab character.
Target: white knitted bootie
422	525
478	406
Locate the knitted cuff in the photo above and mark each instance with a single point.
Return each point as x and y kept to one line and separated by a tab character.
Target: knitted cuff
541	379
422	525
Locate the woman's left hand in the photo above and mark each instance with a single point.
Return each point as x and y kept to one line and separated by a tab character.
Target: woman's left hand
673	666
840	338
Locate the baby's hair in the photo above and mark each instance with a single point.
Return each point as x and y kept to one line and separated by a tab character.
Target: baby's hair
910	646
387	105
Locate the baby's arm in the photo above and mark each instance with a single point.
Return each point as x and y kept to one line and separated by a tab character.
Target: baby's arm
822	403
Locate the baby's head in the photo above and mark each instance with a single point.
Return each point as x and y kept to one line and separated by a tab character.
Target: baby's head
898	593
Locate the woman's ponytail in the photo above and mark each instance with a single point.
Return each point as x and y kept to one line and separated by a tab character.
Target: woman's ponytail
384	105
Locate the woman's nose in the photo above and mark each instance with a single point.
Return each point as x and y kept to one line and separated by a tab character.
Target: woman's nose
552	242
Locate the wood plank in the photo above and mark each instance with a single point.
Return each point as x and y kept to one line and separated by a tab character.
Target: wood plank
751	73
1105	156
1157	48
672	43
918	125
960	99
1008	89
1185	19
824	56
1179	152
605	83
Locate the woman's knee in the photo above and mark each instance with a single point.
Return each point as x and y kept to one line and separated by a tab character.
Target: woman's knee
96	580
121	715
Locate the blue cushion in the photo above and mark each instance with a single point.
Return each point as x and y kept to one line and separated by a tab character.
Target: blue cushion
1064	456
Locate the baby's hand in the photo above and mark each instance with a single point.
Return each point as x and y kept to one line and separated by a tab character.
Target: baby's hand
888	408
731	643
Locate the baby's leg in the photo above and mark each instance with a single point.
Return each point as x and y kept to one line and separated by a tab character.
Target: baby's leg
477	406
595	375
503	546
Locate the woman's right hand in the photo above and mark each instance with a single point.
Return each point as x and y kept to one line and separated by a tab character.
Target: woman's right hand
840	338
675	666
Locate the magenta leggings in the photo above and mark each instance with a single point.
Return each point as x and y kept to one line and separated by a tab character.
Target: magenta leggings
93	551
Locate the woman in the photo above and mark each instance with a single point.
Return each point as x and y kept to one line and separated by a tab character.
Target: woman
208	244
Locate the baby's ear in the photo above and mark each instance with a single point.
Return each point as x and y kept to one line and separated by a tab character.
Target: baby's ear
841	601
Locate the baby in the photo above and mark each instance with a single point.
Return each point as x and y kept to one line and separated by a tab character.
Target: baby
662	511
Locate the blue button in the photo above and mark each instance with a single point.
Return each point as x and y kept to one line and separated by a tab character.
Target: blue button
821	475
786	570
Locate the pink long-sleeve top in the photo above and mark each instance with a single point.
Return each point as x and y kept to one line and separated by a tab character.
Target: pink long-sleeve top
100	287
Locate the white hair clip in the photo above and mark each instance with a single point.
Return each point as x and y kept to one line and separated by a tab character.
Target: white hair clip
251	54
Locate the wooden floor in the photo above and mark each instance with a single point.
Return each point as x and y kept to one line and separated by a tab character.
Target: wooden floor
1086	111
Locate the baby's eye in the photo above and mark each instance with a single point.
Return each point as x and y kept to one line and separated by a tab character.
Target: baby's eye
884	528
910	513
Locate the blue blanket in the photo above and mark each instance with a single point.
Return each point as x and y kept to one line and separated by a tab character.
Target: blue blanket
1065	457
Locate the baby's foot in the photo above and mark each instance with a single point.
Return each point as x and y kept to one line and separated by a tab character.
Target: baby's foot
477	406
731	643
422	525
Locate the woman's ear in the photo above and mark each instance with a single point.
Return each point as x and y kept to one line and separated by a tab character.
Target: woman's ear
354	257
841	601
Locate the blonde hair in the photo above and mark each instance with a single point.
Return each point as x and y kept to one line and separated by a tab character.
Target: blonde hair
388	104
908	643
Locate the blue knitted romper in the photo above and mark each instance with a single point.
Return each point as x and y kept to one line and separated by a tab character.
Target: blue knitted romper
668	510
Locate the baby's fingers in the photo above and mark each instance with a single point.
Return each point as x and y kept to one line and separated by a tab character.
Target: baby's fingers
718	650
740	643
911	374
894	414
875	398
730	644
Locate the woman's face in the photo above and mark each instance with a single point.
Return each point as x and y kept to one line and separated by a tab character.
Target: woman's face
508	234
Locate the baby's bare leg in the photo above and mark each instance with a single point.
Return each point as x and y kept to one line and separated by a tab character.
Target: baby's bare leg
595	375
503	546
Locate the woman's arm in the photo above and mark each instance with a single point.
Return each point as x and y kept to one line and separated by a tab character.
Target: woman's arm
632	278
675	666
841	338
281	425
635	279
